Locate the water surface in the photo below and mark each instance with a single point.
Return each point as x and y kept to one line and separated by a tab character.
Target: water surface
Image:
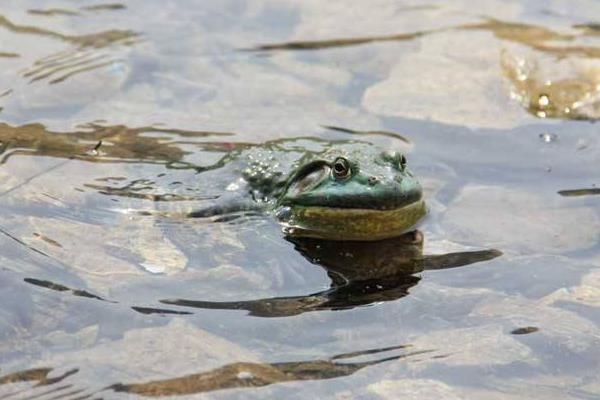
108	112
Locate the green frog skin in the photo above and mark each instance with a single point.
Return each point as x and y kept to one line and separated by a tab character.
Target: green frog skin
344	190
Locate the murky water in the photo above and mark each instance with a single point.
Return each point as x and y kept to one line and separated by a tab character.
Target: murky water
108	112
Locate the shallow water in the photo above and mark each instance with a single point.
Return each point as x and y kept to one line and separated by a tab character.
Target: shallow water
107	110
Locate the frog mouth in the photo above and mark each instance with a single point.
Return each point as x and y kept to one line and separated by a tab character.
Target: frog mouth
336	223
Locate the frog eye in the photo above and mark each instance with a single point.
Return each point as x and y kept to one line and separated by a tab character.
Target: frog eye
341	168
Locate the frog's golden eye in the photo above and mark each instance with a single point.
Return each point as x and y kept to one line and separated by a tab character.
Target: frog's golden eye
341	168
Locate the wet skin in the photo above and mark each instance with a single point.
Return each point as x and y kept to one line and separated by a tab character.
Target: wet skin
347	190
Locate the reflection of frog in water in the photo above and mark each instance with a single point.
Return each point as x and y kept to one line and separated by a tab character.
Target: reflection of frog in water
362	273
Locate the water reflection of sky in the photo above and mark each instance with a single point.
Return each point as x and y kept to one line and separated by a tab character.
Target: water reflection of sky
105	108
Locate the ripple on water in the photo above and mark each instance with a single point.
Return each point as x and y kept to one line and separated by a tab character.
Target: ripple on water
109	111
516	221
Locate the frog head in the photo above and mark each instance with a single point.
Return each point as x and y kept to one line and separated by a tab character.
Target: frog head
351	194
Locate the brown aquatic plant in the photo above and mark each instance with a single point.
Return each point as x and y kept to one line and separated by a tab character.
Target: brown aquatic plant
577	97
249	374
119	143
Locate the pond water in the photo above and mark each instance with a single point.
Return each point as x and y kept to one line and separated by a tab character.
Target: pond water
109	110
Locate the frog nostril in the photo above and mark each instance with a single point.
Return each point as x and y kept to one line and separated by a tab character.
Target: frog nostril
402	161
373	180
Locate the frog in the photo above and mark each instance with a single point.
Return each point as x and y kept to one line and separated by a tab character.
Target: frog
332	190
327	189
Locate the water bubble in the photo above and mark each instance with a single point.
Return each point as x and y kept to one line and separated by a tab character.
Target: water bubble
543	100
548	137
116	68
284	214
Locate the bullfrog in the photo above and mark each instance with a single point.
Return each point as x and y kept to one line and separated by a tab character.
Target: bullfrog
334	190
328	189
